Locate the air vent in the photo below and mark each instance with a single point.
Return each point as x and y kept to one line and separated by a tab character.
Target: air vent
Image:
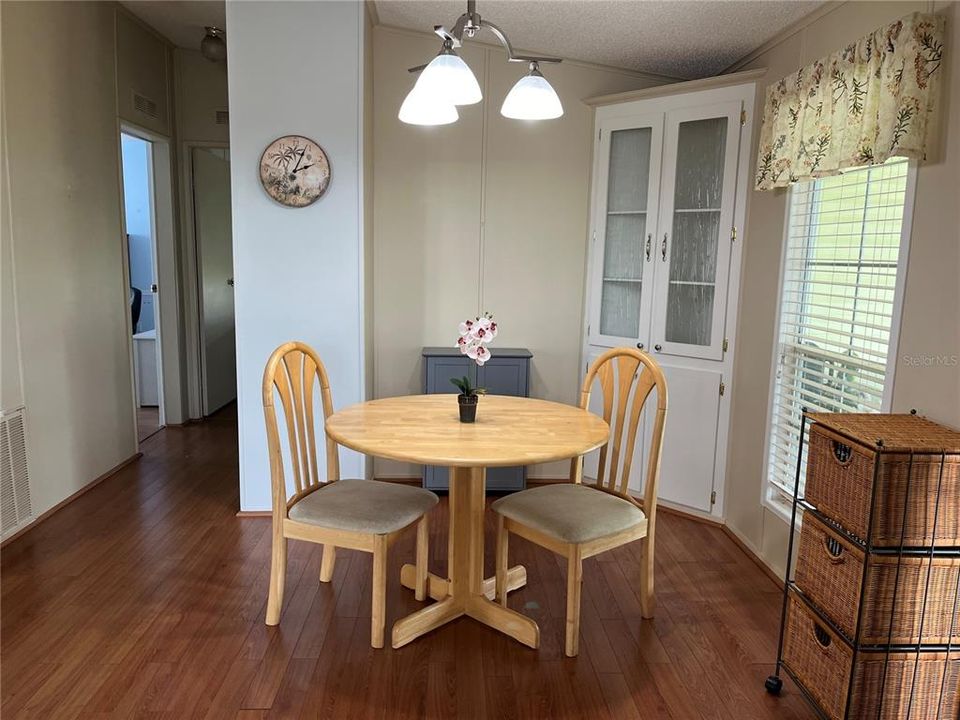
223	117
15	510
144	105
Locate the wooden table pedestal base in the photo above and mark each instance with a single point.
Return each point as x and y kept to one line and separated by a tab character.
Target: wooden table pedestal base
466	592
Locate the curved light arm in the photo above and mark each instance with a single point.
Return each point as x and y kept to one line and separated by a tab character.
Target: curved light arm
471	23
511	55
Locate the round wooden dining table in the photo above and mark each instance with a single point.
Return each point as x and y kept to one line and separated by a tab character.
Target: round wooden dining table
425	429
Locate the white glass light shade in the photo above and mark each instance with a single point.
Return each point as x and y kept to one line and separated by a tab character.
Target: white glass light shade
532	98
449	79
418	108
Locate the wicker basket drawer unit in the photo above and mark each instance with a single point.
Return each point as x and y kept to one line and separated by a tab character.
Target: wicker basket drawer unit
915	685
847	451
829	573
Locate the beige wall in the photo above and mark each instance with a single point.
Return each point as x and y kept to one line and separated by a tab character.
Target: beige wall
61	142
931	310
68	72
368	255
485	214
201	92
144	66
11	387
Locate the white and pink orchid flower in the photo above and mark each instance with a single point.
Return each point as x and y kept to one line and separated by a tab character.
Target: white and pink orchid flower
479	353
474	335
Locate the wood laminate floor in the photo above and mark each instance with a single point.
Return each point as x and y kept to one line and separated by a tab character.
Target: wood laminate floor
148	422
145	597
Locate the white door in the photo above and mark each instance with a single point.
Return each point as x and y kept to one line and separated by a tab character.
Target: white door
688	459
695	232
211	205
625	220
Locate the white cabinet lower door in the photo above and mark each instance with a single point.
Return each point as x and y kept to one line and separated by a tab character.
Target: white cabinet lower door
690	440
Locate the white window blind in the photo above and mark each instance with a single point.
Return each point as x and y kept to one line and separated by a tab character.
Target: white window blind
837	303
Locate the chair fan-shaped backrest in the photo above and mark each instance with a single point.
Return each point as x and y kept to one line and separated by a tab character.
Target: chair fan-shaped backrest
627	378
292	374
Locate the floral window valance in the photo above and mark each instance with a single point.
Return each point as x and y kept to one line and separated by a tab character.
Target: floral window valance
870	101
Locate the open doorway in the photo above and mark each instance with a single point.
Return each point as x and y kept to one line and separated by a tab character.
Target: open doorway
210	173
141	237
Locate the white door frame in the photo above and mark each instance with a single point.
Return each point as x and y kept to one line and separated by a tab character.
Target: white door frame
167	301
192	315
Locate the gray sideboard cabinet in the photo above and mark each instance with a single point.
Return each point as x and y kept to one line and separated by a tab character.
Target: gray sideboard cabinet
506	373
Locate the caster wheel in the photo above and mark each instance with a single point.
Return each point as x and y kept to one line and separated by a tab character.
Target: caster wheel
773	685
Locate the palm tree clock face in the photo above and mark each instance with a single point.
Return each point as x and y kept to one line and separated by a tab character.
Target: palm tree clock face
294	171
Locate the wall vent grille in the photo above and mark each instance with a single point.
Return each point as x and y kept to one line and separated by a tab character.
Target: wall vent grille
145	106
15	510
222	117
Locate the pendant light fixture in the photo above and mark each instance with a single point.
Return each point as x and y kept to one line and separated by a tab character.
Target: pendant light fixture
532	98
213	47
447	81
419	108
449	78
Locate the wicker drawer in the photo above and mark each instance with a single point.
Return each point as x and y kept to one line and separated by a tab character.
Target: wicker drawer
840	475
821	661
830	570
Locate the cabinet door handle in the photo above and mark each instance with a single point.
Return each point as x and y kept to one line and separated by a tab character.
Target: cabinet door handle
639	346
663	248
649	241
658	347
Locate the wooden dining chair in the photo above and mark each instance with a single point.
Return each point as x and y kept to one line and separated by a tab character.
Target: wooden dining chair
577	520
356	514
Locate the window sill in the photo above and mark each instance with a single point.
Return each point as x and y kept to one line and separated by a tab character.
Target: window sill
779	506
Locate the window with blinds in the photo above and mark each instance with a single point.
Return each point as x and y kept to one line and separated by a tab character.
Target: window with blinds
836	305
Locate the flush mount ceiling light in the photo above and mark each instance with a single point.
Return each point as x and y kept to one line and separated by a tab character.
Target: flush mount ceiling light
213	47
447	81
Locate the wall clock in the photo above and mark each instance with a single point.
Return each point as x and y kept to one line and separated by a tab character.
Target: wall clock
294	170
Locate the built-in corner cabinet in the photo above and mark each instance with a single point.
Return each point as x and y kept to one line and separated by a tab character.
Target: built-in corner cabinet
669	183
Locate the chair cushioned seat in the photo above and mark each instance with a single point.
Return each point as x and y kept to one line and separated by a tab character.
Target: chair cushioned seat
365	506
570	512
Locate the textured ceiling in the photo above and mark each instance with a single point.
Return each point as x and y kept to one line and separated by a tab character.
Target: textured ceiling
180	21
682	38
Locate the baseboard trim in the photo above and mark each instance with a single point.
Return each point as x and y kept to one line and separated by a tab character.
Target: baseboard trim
738	541
66	501
689	515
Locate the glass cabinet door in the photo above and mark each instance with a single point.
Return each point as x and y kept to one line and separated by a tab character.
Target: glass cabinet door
696	230
625	220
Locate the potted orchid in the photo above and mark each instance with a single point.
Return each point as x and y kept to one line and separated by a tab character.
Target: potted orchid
475	335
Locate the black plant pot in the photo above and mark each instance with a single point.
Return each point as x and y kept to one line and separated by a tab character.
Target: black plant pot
468	407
